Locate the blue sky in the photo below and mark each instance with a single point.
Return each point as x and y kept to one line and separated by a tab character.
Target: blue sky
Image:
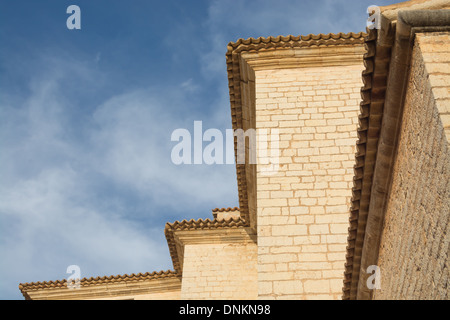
86	118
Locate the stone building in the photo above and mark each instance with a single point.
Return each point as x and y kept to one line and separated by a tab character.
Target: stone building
362	175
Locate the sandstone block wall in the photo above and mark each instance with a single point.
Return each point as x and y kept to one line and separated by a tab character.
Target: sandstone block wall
220	271
302	211
414	252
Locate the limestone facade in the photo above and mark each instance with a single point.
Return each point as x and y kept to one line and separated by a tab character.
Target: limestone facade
362	176
302	210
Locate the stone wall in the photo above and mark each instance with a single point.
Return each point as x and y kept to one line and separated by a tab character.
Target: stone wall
220	271
303	210
414	251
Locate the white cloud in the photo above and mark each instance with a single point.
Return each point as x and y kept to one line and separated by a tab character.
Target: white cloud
49	208
190	85
134	138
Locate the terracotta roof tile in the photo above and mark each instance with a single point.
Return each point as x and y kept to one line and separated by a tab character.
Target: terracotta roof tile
225	209
371	109
201	224
297	41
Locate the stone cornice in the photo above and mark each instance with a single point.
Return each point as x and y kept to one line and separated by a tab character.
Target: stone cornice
304	57
239	235
235	235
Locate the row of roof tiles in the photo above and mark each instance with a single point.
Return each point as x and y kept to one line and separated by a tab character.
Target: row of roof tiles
85	282
225	209
206	224
321	36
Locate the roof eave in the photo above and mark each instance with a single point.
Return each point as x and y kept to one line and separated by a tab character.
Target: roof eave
176	247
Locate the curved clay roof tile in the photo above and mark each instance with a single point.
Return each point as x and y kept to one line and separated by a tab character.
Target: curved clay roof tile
225	209
85	282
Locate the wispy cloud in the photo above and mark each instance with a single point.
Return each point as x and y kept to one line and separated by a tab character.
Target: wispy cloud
96	193
86	176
